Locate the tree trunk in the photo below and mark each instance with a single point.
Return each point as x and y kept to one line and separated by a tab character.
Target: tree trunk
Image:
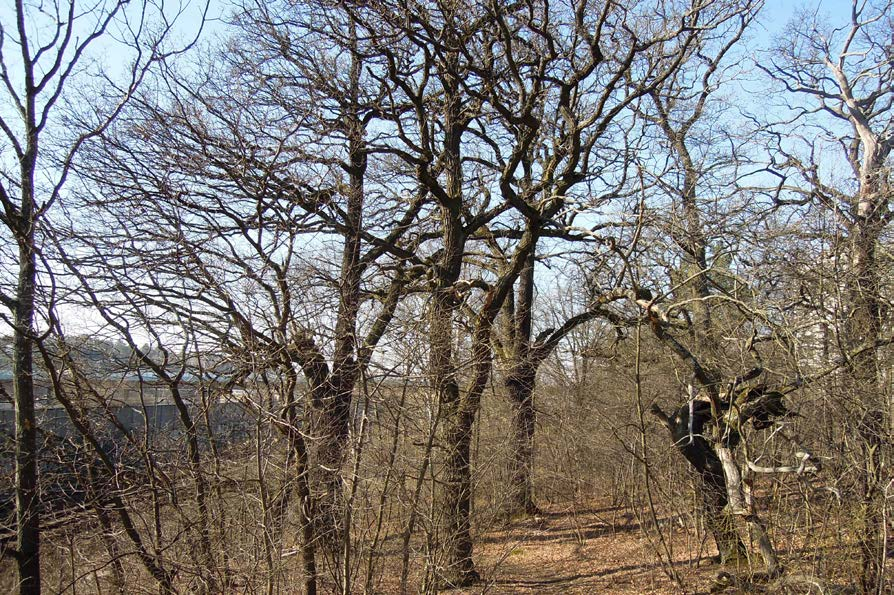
863	328
27	504
740	505
297	459
458	568
721	523
698	452
520	389
335	416
308	560
519	385
331	426
454	566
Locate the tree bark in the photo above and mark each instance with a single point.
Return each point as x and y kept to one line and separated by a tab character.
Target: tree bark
712	482
335	414
864	327
715	498
520	389
456	567
519	383
298	446
27	503
741	505
299	484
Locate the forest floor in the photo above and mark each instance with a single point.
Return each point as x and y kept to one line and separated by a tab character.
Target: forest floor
603	549
597	549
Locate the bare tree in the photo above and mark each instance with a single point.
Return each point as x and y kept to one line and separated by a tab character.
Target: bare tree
695	169
325	61
45	51
227	208
481	95
845	72
605	169
339	218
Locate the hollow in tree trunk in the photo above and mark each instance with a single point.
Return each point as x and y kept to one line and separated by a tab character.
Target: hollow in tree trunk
712	482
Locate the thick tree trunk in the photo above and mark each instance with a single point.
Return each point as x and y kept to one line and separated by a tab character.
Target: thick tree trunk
334	419
458	567
719	520
454	566
520	389
871	517
741	505
715	498
331	426
519	382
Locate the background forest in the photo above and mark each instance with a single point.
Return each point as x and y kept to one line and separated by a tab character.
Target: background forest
326	296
